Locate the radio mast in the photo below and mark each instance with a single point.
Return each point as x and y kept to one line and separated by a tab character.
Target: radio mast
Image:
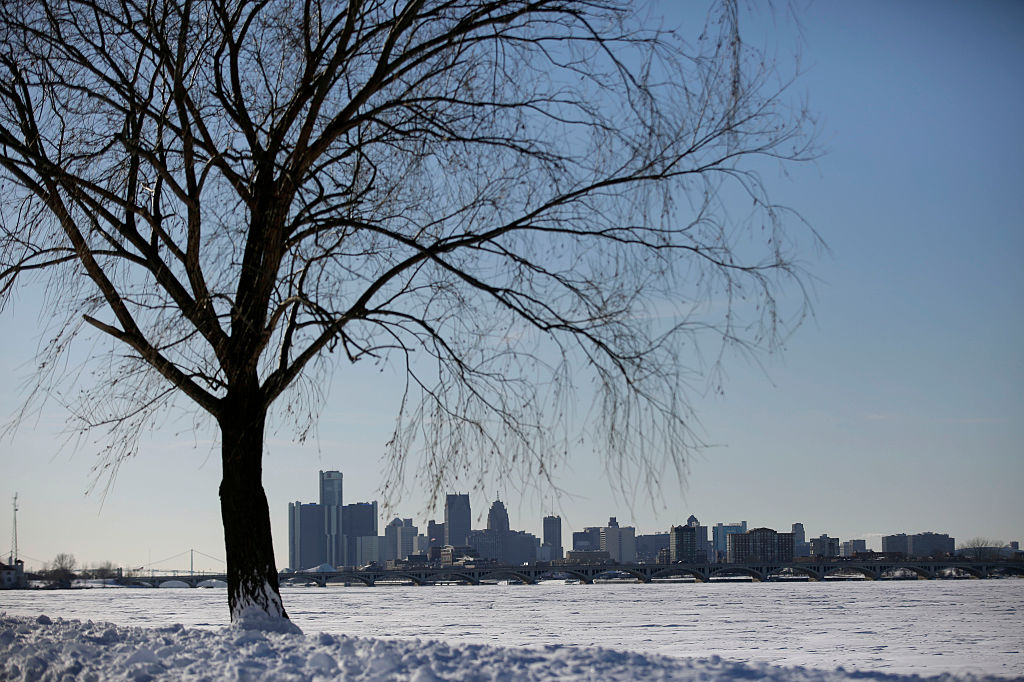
14	534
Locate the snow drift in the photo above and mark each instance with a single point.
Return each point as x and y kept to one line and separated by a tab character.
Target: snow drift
42	649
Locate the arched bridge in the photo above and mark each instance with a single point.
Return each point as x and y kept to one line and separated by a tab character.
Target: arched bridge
644	573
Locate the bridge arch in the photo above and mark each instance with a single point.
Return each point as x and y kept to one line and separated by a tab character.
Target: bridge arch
396	576
506	573
299	580
731	571
670	571
889	572
611	572
863	570
348	578
778	571
998	569
562	572
450	576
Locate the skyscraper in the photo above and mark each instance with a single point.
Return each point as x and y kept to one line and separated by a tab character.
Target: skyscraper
306	547
800	545
398	539
497	517
435	534
358	520
619	542
553	536
457	520
331	505
330	488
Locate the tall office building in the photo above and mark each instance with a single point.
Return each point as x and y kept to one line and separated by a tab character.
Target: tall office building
800	545
720	533
330	488
331	505
619	542
553	536
358	520
306	547
435	534
458	520
497	517
398	539
649	546
587	540
703	550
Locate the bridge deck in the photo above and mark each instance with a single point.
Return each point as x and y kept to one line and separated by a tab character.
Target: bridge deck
643	573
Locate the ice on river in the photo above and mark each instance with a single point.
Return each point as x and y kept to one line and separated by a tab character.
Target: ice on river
677	631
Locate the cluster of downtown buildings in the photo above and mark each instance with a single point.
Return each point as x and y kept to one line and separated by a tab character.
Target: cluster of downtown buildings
330	533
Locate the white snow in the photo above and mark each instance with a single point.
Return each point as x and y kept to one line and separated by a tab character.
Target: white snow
43	649
806	631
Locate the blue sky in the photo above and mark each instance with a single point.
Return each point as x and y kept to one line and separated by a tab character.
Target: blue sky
898	408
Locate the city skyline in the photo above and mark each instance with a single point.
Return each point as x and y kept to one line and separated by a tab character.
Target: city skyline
897	408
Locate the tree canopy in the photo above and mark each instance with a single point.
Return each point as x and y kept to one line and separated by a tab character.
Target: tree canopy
515	202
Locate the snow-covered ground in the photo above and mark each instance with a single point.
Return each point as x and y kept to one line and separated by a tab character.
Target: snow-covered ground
686	632
44	649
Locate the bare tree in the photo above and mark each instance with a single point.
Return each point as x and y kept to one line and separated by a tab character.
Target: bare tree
983	549
515	201
62	570
103	571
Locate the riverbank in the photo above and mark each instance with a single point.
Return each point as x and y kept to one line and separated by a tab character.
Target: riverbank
44	648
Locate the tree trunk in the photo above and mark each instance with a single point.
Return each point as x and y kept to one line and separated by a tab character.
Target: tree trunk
254	596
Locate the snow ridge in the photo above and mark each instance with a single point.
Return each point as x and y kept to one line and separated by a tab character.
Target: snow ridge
44	649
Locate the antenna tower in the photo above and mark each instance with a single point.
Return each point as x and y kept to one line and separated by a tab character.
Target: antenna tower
14	534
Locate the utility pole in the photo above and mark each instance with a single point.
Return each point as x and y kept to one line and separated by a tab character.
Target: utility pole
191	562
14	535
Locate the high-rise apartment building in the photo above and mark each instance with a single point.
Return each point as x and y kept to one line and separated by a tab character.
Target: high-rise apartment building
919	544
458	520
759	544
682	544
896	544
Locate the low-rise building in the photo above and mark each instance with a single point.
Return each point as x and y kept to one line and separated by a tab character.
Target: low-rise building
12	576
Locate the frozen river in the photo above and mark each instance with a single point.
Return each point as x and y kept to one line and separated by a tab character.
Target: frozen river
918	627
